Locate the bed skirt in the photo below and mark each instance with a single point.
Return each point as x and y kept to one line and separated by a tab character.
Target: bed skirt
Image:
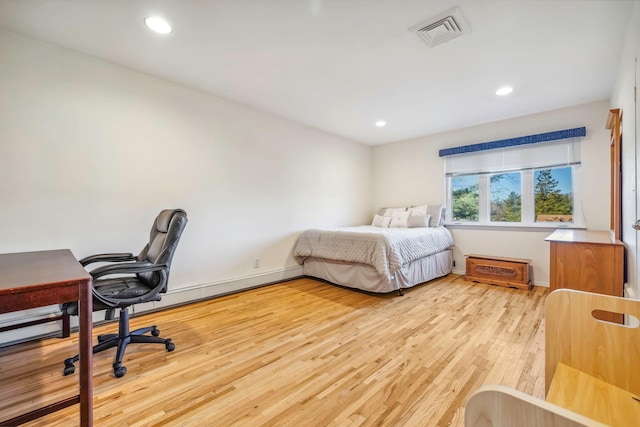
365	277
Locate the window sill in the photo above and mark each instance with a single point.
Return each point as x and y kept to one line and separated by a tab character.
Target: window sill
513	227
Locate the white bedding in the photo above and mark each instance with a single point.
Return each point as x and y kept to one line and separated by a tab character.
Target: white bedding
385	249
366	278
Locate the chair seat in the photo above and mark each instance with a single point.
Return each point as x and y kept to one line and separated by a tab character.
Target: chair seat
114	288
125	287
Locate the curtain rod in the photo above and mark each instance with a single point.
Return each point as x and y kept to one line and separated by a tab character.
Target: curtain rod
511	142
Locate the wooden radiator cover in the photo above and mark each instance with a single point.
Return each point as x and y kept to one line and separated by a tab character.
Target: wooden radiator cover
501	271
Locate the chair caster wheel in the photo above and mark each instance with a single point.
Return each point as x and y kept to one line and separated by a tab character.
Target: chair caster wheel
170	346
155	332
119	371
69	369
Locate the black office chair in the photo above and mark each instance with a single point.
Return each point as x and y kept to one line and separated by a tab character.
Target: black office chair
139	279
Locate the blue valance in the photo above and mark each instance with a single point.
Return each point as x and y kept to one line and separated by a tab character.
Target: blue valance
522	140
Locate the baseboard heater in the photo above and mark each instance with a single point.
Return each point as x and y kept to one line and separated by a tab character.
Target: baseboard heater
501	271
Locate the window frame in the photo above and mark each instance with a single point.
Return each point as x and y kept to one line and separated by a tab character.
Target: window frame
527	194
490	193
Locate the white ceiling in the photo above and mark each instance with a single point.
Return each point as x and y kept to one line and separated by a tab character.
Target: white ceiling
342	65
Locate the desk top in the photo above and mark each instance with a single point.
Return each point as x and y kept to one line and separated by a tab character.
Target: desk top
42	268
565	235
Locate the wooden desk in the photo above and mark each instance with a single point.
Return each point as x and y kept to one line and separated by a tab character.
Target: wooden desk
36	279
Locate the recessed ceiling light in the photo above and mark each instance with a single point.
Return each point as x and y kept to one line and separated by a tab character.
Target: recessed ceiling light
381	123
505	90
158	25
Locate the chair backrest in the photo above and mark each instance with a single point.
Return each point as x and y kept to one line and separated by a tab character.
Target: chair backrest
602	349
163	240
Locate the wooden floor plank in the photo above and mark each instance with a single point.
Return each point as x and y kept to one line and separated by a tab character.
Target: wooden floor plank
302	353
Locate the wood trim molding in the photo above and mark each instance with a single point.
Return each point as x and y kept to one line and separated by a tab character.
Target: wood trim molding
614	123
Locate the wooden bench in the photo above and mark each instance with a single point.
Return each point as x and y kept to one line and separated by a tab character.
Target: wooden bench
501	271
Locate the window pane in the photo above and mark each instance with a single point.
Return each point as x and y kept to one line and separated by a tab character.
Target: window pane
554	195
506	201
465	198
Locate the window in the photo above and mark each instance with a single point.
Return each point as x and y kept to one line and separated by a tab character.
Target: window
522	185
465	198
505	191
554	195
549	197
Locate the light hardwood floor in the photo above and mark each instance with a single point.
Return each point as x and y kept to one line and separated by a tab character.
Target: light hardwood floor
302	353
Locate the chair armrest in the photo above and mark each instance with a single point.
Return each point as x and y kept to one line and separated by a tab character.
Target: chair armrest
119	257
501	406
127	268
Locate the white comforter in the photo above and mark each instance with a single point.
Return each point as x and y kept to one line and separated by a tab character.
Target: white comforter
385	249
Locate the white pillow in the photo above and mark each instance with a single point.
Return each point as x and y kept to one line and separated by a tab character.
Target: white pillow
418	221
381	221
436	215
399	219
391	211
418	210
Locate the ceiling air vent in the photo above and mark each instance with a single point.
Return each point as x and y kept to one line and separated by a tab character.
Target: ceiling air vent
442	28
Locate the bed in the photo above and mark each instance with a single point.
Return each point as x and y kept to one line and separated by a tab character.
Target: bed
383	257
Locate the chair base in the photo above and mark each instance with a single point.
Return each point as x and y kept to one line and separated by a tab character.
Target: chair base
120	340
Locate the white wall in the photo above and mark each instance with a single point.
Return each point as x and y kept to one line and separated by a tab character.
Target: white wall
623	98
410	172
90	152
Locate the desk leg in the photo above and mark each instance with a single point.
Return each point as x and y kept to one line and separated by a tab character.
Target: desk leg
86	353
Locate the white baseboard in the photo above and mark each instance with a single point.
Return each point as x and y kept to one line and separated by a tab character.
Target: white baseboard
223	287
173	297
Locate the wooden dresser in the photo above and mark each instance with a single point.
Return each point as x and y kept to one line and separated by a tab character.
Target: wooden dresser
585	260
